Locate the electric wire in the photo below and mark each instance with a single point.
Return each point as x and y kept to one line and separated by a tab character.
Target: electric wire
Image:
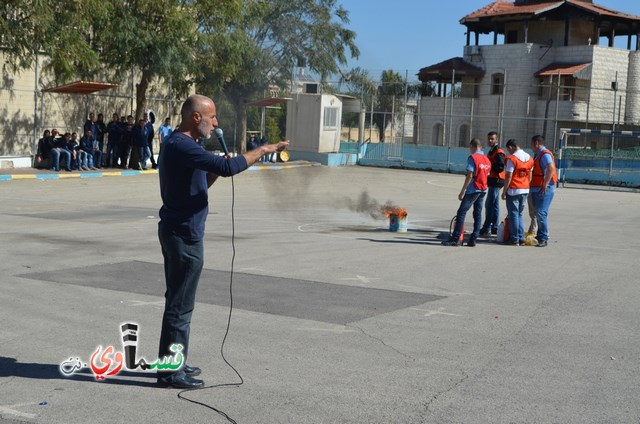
226	333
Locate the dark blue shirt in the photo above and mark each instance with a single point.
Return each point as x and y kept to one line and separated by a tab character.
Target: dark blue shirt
114	128
183	183
140	136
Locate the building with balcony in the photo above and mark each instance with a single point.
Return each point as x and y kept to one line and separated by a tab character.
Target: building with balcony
548	65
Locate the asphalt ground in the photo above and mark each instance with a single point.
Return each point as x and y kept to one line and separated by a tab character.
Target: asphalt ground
336	319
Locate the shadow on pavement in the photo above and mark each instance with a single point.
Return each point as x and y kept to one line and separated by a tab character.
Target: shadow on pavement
10	367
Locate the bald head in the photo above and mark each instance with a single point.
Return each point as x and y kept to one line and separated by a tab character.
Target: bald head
198	116
194	103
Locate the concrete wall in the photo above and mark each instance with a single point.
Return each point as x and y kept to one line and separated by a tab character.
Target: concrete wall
553	32
305	118
522	109
303	125
26	111
330	136
632	106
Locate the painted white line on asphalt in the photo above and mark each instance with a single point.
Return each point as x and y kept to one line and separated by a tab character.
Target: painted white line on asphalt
159	303
431	182
8	409
328	330
431	312
360	278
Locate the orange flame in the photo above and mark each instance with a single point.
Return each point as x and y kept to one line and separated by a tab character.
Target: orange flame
395	211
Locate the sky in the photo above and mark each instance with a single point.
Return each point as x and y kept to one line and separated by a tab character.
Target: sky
406	35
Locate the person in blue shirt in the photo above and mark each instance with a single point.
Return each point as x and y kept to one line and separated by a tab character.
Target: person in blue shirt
113	141
86	145
186	174
150	132
140	137
165	131
252	143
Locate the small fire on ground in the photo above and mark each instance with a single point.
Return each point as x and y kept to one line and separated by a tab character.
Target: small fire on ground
389	211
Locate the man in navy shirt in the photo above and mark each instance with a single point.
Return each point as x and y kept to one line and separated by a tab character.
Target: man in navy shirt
186	174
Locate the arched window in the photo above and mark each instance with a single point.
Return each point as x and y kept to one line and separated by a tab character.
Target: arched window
463	136
497	84
437	136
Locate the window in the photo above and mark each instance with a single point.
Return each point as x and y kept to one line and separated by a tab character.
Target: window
463	136
331	117
497	84
567	88
437	136
512	37
548	90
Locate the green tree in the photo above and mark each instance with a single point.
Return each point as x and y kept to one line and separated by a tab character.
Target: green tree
261	48
358	84
62	30
385	98
159	39
390	91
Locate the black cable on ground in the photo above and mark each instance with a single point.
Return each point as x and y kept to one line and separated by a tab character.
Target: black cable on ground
226	333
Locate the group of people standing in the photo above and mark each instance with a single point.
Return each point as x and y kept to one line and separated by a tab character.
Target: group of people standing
522	179
128	144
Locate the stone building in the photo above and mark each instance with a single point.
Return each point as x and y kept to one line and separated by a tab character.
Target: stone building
548	65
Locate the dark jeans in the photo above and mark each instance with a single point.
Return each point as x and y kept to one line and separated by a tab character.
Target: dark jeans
124	150
470	199
97	158
492	209
183	261
112	154
153	160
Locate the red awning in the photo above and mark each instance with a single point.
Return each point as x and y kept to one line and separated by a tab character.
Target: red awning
269	101
81	87
562	69
444	71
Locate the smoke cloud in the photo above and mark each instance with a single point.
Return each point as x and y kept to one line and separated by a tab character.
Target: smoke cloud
367	205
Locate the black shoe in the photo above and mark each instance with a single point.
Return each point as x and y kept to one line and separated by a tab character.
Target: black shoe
471	242
521	243
452	243
542	243
484	233
192	371
511	242
494	231
180	380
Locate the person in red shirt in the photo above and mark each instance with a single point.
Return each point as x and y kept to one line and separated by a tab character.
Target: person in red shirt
472	193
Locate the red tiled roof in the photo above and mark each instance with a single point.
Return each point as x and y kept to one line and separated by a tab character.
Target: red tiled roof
562	69
444	70
506	8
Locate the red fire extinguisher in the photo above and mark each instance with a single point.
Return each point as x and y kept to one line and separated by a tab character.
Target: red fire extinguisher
452	227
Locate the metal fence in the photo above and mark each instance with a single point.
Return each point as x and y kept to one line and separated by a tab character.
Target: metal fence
432	131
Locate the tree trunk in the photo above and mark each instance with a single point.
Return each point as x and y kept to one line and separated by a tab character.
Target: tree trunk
141	93
240	108
141	103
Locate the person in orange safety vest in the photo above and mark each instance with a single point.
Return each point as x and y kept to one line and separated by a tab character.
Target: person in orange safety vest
543	186
516	189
